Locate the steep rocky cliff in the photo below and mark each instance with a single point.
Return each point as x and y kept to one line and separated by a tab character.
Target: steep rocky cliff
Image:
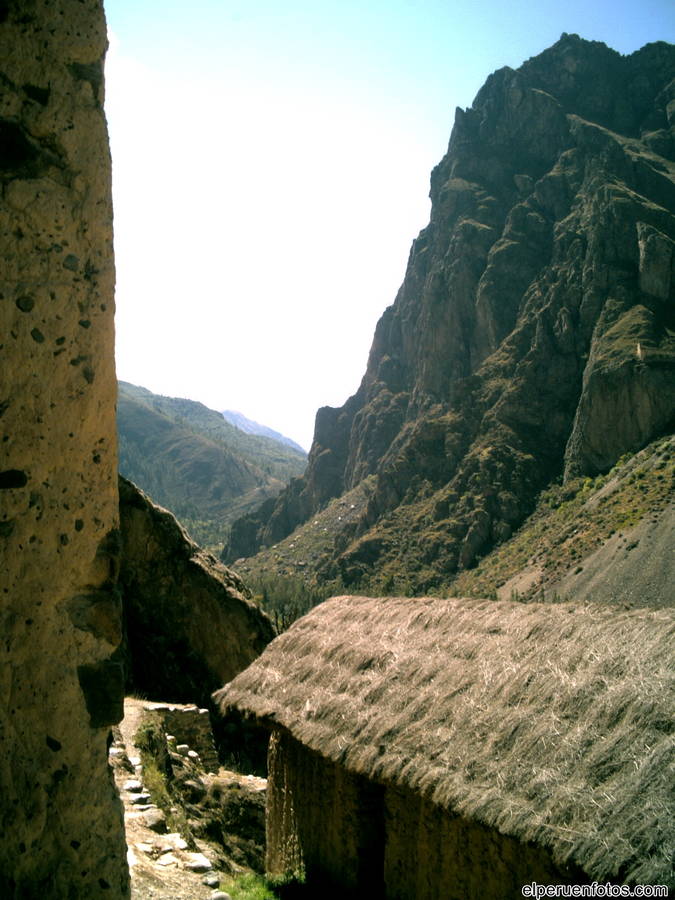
534	333
61	684
189	628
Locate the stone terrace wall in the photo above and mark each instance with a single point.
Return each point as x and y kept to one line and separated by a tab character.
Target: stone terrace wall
189	725
61	685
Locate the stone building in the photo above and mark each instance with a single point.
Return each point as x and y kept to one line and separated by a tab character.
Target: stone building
464	748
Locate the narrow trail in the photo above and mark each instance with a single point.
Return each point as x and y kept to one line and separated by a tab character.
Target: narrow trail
161	865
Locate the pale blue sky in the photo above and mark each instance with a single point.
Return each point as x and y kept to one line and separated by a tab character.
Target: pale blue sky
271	164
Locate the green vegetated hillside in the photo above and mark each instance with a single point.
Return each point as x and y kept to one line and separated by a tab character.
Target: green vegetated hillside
197	465
530	347
610	538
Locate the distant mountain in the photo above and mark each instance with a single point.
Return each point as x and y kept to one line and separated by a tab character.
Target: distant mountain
240	421
532	341
193	462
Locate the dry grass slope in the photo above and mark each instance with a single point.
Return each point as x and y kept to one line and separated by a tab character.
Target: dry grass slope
553	723
574	523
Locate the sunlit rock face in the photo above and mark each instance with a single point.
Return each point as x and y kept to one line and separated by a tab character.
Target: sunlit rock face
533	333
61	681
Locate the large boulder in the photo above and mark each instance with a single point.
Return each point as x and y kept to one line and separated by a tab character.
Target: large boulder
189	626
61	678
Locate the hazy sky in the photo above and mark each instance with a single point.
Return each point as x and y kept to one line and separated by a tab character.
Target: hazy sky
271	164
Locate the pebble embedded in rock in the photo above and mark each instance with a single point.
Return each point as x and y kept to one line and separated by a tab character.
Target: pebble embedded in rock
211	881
140	798
220	895
183	749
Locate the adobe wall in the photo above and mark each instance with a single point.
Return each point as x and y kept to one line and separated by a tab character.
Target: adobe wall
353	837
434	855
188	625
322	820
60	680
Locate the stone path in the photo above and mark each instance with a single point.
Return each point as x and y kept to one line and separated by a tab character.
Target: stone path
161	865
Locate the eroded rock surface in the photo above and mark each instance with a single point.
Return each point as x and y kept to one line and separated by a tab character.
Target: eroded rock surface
189	626
533	332
61	682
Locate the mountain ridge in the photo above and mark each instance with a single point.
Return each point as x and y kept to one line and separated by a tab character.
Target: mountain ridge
250	426
605	540
193	462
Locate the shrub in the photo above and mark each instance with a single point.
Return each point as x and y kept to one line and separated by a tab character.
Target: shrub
255	887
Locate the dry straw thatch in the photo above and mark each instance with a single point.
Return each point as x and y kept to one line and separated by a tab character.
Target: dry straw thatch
551	723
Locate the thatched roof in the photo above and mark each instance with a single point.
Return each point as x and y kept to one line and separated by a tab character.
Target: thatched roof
552	723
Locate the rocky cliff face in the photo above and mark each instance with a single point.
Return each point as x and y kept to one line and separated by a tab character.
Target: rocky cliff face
189	628
61	682
534	333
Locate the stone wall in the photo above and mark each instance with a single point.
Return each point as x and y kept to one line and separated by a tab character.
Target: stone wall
189	725
434	855
323	820
60	679
350	834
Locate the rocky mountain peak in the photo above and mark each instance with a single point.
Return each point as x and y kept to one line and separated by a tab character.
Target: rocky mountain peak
533	334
